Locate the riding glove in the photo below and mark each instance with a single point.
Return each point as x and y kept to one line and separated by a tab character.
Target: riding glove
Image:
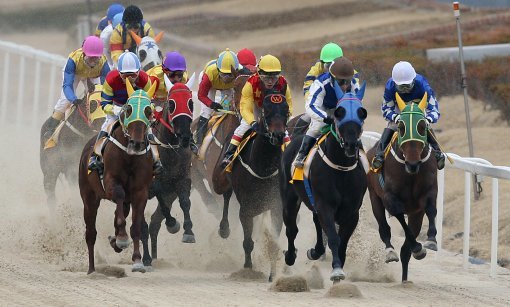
328	120
255	126
108	109
77	101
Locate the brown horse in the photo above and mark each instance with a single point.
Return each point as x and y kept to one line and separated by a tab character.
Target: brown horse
83	122
127	176
209	168
406	185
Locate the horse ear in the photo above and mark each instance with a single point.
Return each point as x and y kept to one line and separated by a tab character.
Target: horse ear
158	37
401	104
338	91
135	37
152	90
234	70
168	83
361	91
191	81
129	87
423	103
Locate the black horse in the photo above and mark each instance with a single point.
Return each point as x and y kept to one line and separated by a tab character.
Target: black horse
174	132
333	186
84	121
254	174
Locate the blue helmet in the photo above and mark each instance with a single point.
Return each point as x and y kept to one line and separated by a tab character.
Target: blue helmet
113	10
116	20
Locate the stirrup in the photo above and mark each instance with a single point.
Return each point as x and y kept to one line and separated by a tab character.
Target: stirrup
299	162
157	167
194	148
440	160
226	161
377	163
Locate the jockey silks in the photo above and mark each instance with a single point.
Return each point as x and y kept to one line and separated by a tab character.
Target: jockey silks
114	89
211	79
121	40
156	74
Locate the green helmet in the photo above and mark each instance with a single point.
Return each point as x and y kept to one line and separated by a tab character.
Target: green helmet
330	51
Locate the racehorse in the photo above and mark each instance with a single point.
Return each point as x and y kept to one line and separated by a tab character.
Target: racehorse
127	176
211	154
174	134
84	120
333	185
254	174
407	184
147	50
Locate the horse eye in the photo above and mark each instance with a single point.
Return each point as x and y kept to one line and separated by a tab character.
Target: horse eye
142	54
340	113
171	106
190	105
147	111
422	126
401	129
362	113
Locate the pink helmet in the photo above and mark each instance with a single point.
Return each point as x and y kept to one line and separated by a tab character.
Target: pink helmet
93	46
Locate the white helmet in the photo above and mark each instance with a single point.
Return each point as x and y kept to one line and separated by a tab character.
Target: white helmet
128	62
403	73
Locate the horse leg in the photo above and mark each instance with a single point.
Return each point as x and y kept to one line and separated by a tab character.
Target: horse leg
319	249
147	260
276	229
121	240
137	217
155	224
384	228
89	215
345	232
247	224
326	217
165	202
411	246
183	190
431	212
50	182
224	230
291	205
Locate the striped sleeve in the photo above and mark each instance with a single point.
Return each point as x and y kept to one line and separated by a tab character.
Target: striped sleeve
107	93
314	101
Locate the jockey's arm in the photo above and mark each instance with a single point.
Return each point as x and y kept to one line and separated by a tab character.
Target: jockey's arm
107	93
68	83
104	72
312	74
103	23
116	46
288	96
314	101
148	30
203	90
247	103
355	84
432	110
388	103
144	82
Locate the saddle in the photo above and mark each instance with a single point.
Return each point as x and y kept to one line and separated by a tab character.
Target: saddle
212	126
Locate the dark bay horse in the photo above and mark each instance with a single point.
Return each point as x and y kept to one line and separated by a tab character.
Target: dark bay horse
333	186
254	174
84	122
406	185
208	165
127	176
173	131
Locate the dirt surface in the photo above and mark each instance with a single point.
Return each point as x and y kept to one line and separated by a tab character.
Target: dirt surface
45	257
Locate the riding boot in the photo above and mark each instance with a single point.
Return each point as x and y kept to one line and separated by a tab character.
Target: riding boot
437	151
200	133
229	155
157	166
51	124
306	145
95	162
378	160
300	128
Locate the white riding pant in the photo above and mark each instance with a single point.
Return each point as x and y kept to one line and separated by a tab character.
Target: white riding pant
62	103
108	121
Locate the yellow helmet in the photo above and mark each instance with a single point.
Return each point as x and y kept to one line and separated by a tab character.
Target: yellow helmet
226	60
269	63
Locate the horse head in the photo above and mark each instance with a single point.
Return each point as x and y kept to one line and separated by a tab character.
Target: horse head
349	118
135	117
147	50
179	112
273	122
412	130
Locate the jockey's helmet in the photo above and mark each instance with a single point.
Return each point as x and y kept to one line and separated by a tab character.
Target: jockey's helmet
93	46
226	60
132	15
403	73
246	57
128	62
116	20
113	10
269	64
174	61
341	68
330	51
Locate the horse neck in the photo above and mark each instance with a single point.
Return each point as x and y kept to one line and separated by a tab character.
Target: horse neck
264	157
336	153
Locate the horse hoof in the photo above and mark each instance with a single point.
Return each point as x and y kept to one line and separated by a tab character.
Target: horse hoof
420	254
174	229
149	268
391	255
312	254
429	244
290	258
337	274
138	267
122	244
188	238
224	232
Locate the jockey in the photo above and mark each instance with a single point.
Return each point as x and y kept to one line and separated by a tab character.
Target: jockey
132	19
411	87
248	60
218	75
106	35
321	102
329	52
268	78
87	62
115	94
174	67
112	10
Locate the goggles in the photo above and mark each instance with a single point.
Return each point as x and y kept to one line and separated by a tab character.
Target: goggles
405	88
133	25
129	75
226	75
269	78
176	74
343	82
92	60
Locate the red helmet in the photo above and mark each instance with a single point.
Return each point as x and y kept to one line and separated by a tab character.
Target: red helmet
246	57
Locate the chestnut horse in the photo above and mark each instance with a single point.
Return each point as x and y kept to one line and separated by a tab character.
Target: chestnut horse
406	185
128	174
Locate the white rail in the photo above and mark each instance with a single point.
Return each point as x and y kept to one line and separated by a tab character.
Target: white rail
470	166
